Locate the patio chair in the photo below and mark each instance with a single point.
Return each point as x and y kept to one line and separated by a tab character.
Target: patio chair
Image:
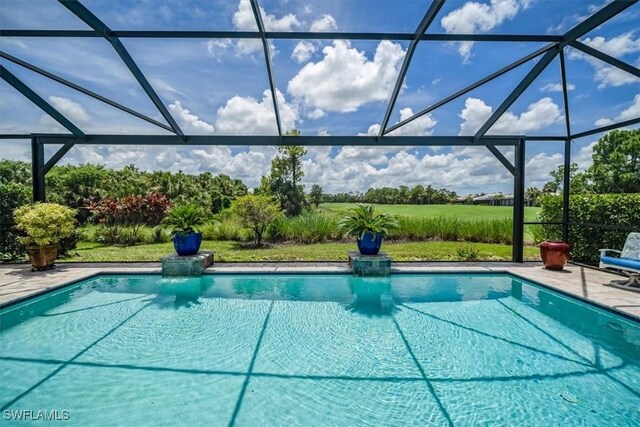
628	262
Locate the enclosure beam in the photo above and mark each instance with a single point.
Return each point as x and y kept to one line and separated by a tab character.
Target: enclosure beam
498	155
247	140
518	202
472	87
428	18
57	156
566	190
267	57
79	88
606	58
597	19
607	128
565	94
287	35
566	178
39	101
94	22
37	170
515	94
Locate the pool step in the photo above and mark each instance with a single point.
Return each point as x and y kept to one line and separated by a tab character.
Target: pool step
370	265
186	266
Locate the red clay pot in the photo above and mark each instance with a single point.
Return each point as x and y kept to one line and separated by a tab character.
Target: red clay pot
554	254
42	257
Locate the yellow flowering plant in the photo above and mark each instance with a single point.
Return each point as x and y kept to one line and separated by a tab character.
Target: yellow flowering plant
44	223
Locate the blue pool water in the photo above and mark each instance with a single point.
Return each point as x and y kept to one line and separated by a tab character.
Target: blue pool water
287	350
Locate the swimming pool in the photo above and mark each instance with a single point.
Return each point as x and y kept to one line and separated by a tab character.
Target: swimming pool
413	349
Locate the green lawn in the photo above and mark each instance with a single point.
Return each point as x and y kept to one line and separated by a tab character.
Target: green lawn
232	251
432	211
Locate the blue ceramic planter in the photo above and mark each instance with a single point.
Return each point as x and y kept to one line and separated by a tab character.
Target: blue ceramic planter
187	244
370	243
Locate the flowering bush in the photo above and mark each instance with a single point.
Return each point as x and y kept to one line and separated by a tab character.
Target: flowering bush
44	223
122	218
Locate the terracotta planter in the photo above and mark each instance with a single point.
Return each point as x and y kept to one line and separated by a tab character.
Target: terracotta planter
42	257
555	254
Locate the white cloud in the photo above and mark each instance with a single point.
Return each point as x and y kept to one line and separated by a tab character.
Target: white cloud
71	110
616	46
216	46
324	24
303	51
539	115
422	126
244	20
190	123
316	114
345	79
556	87
475	17
630	113
619	46
246	115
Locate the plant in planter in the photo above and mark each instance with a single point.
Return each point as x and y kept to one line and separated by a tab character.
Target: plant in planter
45	225
184	222
368	227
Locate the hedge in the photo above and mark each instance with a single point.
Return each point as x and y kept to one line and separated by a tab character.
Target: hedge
608	209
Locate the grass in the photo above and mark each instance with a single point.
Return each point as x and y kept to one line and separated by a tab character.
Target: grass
232	251
434	211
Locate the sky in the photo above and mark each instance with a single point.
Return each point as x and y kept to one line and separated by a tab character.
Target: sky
324	87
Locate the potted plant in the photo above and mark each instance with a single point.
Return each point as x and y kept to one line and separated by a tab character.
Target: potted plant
45	225
184	222
368	227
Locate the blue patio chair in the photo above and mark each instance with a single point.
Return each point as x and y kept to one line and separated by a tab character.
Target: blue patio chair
628	262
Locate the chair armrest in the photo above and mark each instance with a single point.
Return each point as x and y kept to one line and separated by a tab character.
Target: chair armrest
603	252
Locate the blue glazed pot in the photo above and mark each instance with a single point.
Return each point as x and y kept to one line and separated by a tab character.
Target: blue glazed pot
187	244
370	243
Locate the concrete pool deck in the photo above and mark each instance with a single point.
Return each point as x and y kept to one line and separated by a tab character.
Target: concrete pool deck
18	282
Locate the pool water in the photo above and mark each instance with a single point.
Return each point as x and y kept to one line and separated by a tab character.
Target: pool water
287	350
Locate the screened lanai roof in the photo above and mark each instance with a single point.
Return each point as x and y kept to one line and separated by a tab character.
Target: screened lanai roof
345	72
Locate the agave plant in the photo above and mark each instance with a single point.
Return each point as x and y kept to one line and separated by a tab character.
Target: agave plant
185	219
363	219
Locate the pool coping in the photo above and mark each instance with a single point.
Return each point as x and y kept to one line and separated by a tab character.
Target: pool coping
342	268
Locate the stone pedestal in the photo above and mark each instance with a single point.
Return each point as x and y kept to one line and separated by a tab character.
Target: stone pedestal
370	265
186	266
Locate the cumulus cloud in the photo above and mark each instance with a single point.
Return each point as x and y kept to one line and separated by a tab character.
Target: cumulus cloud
190	123
71	110
556	87
475	17
346	79
619	46
539	115
422	126
630	113
246	115
303	51
324	24
244	20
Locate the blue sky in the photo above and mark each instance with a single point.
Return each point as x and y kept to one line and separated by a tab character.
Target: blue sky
330	87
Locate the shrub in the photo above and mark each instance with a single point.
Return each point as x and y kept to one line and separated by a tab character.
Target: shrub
454	229
309	227
608	209
12	196
44	223
256	213
467	253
